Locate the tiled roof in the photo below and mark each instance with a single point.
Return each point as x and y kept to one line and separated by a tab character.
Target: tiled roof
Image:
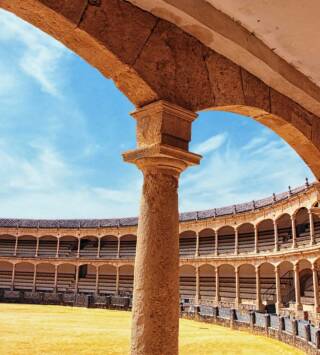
133	221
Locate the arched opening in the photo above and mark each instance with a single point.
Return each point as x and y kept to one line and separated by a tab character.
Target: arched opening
187	283
66	278
266	235
284	226
187	243
207	242
68	246
302	225
107	279
87	279
7	244
48	246
227	283
226	240
109	247
45	277
268	287
246	238
89	247
126	280
128	246
27	246
23	280
207	283
5	275
287	283
306	284
247	284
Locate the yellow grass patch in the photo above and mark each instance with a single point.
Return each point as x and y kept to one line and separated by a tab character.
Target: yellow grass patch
33	329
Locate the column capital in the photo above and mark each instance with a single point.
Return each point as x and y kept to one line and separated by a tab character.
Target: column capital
163	135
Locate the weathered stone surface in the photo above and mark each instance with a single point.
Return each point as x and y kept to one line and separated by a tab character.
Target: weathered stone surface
225	79
256	93
174	63
120	27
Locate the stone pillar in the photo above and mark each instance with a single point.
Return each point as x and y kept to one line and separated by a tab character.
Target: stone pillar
236	241
312	236
217	286
37	247
76	280
97	280
58	247
294	232
56	278
163	134
216	242
117	280
34	287
256	245
315	288
297	286
13	276
258	290
118	250
197	245
16	246
276	239
79	245
197	298
278	290
237	300
99	247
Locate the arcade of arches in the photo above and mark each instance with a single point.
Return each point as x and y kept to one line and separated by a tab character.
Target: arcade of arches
169	75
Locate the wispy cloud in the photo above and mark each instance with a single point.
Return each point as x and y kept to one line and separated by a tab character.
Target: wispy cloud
210	144
38	57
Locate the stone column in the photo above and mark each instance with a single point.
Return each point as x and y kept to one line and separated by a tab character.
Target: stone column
216	242
13	276
58	247
37	247
76	280
294	232
237	300
256	245
163	134
258	290
276	239
197	245
56	278
97	279
297	286
315	288
16	246
197	298
79	246
99	247
34	287
118	251
236	241
117	280
217	286
278	289
312	237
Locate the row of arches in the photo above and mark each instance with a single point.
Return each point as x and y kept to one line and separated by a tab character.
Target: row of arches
266	285
300	229
287	231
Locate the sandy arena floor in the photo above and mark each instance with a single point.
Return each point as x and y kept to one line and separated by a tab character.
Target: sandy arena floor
31	329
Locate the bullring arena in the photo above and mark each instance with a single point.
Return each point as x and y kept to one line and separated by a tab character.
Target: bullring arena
237	279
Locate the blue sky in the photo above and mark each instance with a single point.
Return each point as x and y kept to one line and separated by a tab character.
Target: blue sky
63	127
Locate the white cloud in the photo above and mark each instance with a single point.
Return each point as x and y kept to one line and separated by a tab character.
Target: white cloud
210	144
232	175
41	55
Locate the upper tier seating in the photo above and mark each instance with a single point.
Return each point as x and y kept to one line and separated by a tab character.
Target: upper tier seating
89	249
127	248
26	248
187	246
206	245
109	249
266	240
246	242
7	247
226	244
47	248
